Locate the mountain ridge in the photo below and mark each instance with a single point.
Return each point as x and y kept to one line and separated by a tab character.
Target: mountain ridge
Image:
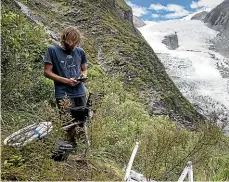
138	23
218	19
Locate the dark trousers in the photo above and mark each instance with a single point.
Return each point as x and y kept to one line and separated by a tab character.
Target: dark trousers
72	133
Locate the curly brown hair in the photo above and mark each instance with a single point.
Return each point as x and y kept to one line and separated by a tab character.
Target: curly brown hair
70	33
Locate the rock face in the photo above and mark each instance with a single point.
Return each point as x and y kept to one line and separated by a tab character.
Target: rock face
222	43
171	41
218	19
138	23
200	16
125	11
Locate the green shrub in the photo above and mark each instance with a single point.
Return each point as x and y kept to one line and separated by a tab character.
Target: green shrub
164	150
23	45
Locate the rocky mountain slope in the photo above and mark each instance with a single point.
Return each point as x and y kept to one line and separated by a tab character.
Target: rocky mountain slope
171	41
200	16
115	47
218	19
138	22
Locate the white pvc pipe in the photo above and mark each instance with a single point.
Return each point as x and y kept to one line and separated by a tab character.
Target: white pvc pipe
190	173
128	169
187	171
183	174
87	138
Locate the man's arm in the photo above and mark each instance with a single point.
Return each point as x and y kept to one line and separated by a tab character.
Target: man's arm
49	74
84	70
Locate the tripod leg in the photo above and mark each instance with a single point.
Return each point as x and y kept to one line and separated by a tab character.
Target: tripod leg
86	135
71	132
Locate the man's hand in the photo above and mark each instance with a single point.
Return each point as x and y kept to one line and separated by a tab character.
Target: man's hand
49	74
82	78
71	82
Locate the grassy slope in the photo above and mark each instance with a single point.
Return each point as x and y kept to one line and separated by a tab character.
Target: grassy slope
125	52
120	119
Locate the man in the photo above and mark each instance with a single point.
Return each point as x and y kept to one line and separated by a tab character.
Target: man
63	64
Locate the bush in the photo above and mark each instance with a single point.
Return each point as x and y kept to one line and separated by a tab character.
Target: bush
23	45
120	121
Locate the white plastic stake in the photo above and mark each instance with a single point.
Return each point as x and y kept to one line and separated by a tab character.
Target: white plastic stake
183	174
187	171
128	169
87	138
190	172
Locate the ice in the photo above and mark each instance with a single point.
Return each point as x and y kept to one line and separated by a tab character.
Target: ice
193	67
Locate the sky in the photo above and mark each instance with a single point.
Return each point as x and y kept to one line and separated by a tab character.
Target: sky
161	10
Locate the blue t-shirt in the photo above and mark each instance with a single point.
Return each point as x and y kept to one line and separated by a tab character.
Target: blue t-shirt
68	66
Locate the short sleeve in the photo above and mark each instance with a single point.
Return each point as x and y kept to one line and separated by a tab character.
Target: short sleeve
83	57
48	56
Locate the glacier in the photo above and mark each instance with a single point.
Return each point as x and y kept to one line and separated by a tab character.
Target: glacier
200	73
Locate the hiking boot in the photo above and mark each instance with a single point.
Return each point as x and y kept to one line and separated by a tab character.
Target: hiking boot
61	150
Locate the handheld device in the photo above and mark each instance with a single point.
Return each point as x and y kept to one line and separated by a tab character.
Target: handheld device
82	79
